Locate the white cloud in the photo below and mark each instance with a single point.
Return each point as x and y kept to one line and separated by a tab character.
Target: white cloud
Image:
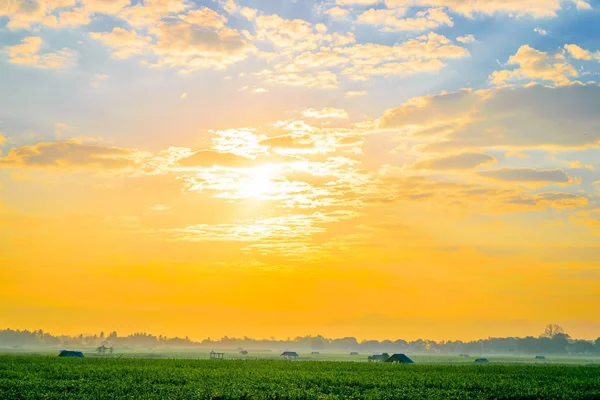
327	112
466	39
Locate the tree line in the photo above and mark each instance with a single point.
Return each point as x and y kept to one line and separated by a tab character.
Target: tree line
552	341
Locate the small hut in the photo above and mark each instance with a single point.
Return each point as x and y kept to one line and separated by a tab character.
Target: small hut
400	359
315	353
244	352
354	353
482	360
540	357
464	355
217	356
68	353
290	355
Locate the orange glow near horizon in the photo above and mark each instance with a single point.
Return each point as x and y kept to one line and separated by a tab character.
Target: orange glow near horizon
377	169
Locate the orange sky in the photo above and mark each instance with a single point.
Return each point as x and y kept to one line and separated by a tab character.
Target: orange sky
378	169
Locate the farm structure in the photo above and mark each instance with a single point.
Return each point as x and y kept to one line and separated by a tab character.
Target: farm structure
400	359
217	356
290	355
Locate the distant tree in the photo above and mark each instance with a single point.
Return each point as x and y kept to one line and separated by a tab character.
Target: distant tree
317	343
552	330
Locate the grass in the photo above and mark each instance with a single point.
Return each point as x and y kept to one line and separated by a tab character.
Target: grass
23	377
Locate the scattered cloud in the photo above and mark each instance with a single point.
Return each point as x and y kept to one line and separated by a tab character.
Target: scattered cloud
29	53
507	118
527	175
355	93
328	112
456	162
69	154
535	65
393	20
466	39
122	42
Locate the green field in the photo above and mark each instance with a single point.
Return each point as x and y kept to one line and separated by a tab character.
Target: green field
31	377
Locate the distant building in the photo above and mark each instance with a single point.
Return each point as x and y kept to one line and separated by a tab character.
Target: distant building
540	357
354	353
244	352
217	356
482	360
464	355
290	355
400	358
315	353
67	353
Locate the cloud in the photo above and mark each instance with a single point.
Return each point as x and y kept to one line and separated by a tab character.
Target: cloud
466	39
535	65
517	118
390	19
205	17
152	12
69	154
355	93
122	42
357	2
527	175
109	7
456	162
327	112
319	79
210	158
190	47
28	53
541	31
289	142
577	52
198	41
337	12
515	8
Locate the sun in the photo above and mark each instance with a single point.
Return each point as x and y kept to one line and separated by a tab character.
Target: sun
258	182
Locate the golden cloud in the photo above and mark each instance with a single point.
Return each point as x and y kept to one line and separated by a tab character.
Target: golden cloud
28	53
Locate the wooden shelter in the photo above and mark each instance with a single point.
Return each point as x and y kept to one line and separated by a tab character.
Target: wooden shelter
315	353
400	359
244	352
354	353
68	353
217	356
482	360
290	355
540	357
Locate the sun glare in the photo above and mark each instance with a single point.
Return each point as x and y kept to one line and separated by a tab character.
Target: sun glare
258	182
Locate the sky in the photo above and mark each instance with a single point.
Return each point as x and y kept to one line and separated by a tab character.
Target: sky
272	168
